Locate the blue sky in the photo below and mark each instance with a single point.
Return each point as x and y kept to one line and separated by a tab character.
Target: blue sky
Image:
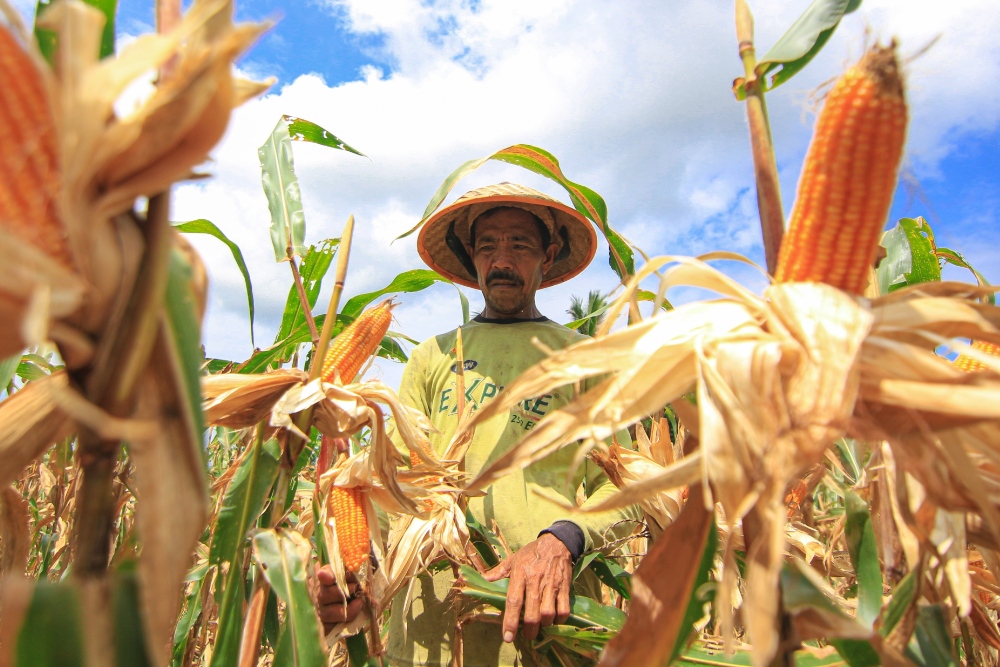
633	97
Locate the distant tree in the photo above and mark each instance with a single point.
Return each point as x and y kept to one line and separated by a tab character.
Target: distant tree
580	308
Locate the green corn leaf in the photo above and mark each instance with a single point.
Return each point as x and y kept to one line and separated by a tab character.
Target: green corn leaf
282	556
8	368
586	642
931	644
300	129
701	654
241	506
584	612
357	651
414	280
229	628
484	540
202	226
244	501
182	631
613	576
864	557
185	333
541	162
47	38
800	44
54	612
902	598
911	256
315	264
956	259
130	642
284	198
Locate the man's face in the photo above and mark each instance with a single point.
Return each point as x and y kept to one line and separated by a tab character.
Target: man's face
510	260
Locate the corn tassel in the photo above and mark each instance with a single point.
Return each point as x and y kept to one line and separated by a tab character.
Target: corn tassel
28	158
849	177
347	508
356	343
970	365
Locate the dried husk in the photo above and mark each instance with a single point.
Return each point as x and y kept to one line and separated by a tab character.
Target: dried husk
777	380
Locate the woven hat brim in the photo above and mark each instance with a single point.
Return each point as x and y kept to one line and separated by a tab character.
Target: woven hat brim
433	246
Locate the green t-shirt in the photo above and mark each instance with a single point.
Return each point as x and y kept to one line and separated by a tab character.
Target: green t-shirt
496	352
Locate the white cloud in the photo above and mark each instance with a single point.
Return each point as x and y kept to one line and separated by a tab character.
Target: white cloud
632	97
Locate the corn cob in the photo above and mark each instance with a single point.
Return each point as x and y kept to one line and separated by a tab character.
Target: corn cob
346	506
849	177
28	159
355	344
970	365
415	459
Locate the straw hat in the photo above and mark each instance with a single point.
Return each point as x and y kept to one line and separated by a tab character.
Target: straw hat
444	237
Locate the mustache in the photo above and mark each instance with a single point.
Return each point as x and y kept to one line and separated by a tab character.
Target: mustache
501	274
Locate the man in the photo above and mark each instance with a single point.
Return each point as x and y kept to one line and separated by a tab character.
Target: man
508	241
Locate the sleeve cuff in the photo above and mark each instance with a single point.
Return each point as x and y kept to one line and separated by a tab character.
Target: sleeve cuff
570	535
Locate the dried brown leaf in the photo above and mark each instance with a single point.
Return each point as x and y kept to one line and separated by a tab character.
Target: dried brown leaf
659	602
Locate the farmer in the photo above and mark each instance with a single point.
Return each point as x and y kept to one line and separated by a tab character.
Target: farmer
507	241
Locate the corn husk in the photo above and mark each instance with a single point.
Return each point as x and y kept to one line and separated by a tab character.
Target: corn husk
105	162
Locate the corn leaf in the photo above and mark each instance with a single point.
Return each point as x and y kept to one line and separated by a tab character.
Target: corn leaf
202	226
8	367
931	644
315	263
414	280
130	642
613	576
357	651
588	642
864	556
584	612
244	501
182	633
800	44
701	653
241	505
283	558
54	612
910	256
956	259
47	38
300	129
185	330
540	161
272	357
284	198
230	621
902	598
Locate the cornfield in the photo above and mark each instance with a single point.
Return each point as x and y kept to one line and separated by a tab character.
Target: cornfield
815	474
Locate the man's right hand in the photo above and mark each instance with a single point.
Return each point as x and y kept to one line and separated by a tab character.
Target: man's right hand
330	599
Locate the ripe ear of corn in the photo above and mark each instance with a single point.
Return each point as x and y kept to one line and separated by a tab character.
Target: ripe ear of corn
970	365
28	159
414	459
351	349
346	507
848	178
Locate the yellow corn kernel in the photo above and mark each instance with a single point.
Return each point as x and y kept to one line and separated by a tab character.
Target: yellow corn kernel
357	342
347	508
28	155
848	178
970	365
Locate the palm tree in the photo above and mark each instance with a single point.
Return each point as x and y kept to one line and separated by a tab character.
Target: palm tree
580	308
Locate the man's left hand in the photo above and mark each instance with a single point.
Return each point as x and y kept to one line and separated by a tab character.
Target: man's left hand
541	575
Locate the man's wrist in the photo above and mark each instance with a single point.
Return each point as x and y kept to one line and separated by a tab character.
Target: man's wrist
570	534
